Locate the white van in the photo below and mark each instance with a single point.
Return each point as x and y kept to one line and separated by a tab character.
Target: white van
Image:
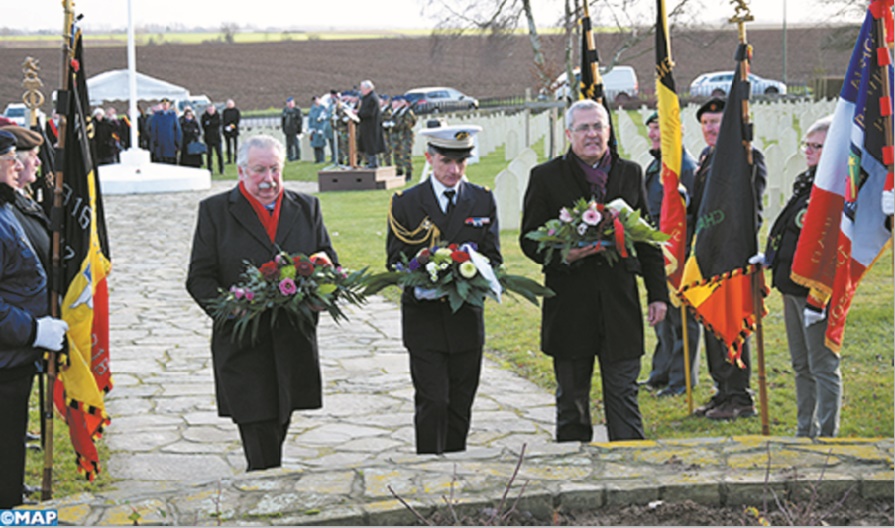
619	84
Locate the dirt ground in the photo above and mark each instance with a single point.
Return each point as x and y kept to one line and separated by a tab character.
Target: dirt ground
853	512
262	75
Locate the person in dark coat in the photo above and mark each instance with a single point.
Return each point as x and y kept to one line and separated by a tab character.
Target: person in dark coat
291	123
103	140
211	132
191	134
26	329
370	139
733	397
231	117
28	212
816	366
596	311
166	137
318	122
445	348
259	383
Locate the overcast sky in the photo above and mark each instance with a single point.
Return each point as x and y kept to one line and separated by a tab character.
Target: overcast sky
100	15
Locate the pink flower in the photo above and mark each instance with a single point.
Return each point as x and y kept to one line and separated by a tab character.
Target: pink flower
591	217
565	216
551	232
287	286
236	291
250	295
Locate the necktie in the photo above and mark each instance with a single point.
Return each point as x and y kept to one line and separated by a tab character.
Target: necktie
449	194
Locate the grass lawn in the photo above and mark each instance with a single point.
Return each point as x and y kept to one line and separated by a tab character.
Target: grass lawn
357	223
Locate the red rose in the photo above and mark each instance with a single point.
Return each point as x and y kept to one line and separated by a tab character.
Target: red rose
270	270
459	256
453	247
320	259
305	268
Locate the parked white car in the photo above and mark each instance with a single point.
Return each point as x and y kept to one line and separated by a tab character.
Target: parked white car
716	84
16	112
436	99
619	84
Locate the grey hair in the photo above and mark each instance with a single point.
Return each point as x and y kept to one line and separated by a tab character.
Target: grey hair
584	104
262	141
367	84
821	125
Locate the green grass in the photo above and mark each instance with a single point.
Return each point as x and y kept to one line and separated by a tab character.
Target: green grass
357	223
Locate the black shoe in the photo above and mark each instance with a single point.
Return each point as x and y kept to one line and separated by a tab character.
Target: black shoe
651	385
671	391
709	405
31	437
731	411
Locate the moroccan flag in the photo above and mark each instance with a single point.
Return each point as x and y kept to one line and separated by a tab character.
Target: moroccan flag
844	229
717	277
673	220
84	376
591	86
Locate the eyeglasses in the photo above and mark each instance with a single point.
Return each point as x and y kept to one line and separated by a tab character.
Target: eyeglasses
10	157
585	128
812	146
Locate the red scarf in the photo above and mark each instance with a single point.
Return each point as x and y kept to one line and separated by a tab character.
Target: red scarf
268	220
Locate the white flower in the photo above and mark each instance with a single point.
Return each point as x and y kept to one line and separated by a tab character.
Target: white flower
582	228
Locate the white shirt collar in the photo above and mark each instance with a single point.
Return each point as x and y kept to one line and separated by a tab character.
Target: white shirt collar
439	189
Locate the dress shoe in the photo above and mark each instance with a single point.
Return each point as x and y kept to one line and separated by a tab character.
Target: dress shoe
671	391
650	385
31	437
709	405
731	411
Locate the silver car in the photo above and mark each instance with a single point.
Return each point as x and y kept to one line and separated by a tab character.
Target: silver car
717	84
436	99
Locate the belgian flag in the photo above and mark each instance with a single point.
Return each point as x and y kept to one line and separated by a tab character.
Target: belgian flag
717	281
84	374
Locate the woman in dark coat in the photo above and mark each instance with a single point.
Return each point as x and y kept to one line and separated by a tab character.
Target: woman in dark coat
371	141
191	135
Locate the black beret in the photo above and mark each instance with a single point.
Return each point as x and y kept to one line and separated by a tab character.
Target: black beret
25	139
652	117
7	142
712	106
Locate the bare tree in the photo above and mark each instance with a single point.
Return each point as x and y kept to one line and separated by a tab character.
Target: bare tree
228	31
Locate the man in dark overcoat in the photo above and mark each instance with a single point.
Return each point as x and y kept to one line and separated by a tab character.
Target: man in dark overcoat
371	140
445	348
596	311
259	382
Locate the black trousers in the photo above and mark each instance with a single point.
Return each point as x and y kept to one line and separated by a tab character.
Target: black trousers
15	390
262	443
445	386
731	381
214	148
573	381
232	147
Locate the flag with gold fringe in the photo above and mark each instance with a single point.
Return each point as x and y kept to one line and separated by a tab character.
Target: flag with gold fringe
844	230
84	374
673	220
717	279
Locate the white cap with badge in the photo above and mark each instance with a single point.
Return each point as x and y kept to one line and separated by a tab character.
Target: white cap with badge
455	141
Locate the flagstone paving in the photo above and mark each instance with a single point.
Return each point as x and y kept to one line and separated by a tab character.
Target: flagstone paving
176	462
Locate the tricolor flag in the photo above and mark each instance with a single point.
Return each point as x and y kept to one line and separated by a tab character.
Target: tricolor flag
673	220
84	377
717	281
591	85
844	230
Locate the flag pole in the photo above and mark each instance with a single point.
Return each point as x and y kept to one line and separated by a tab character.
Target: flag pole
55	311
743	15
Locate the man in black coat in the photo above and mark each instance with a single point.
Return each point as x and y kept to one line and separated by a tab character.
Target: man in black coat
733	397
596	310
291	123
231	117
371	140
445	347
211	132
259	383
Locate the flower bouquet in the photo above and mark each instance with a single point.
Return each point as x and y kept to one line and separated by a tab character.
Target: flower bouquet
295	284
615	226
458	272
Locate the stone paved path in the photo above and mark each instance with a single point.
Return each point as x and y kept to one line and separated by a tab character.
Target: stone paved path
176	462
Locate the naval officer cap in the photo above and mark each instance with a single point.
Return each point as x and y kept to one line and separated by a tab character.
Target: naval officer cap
455	141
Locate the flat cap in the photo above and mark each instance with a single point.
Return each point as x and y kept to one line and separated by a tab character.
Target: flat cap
7	142
25	139
712	106
455	141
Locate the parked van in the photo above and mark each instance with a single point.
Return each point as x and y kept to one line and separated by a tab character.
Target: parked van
619	84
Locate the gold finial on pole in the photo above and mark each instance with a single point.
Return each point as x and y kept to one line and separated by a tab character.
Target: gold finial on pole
33	98
742	15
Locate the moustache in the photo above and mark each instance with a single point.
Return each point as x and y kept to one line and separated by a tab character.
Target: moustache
266	185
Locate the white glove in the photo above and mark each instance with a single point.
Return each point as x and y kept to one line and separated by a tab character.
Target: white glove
426	294
889	203
813	316
757	258
50	333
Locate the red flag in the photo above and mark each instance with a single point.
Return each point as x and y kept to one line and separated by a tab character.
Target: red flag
84	375
844	228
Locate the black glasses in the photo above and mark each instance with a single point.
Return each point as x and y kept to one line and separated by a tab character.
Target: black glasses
812	146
